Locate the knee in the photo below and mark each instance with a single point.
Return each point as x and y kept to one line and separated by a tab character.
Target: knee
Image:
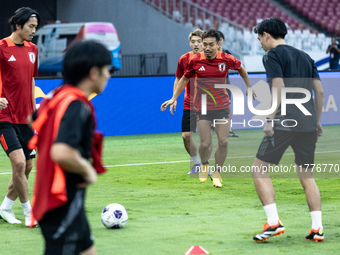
205	145
29	166
19	167
308	183
223	143
186	136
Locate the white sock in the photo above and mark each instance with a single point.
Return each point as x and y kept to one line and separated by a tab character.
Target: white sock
7	204
316	220
271	212
196	159
26	207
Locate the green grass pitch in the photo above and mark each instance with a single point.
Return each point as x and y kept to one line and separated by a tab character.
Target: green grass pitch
169	211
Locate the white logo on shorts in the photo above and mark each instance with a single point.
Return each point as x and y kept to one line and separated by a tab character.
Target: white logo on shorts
33	153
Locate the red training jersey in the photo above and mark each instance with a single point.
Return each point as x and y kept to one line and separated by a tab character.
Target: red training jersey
18	66
208	73
181	66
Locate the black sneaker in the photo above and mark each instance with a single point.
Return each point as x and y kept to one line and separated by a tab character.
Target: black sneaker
315	235
232	134
269	231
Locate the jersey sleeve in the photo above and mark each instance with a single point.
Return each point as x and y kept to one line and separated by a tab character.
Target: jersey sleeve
73	124
315	72
233	63
180	68
272	65
189	70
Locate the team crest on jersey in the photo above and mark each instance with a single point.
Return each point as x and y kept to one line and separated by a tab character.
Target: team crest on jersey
221	67
32	57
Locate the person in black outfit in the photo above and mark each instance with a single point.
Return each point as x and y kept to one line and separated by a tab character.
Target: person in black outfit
288	68
334	50
66	139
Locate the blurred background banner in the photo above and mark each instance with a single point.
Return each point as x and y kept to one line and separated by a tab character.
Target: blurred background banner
131	105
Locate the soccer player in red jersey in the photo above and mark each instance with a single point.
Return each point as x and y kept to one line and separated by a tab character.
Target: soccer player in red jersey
210	67
18	66
189	122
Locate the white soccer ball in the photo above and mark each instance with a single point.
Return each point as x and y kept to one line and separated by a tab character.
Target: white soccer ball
114	216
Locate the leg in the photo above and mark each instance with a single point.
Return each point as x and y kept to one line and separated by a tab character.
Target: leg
311	189
266	193
222	131
19	178
263	184
17	185
189	143
89	251
204	131
191	148
11	193
211	144
271	150
29	166
314	203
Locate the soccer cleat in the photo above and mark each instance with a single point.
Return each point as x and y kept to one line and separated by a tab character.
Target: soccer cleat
315	235
216	178
195	169
8	215
269	231
28	220
232	134
203	173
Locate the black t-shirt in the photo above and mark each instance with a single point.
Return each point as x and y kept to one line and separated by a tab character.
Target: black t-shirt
76	130
334	54
297	70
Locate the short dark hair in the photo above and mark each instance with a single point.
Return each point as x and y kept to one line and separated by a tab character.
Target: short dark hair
81	57
221	35
21	16
212	32
273	26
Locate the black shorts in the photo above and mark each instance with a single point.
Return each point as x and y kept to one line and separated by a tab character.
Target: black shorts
68	234
303	144
189	122
16	136
213	115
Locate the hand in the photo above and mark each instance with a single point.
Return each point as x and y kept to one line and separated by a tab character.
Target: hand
3	103
167	103
173	107
319	131
254	95
89	178
269	129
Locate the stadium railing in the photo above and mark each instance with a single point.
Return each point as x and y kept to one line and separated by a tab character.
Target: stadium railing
240	41
143	64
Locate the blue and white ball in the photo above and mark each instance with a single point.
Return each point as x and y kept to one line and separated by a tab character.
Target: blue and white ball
114	216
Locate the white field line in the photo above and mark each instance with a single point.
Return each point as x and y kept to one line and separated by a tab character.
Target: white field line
184	161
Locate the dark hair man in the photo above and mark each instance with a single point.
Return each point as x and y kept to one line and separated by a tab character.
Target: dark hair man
287	67
18	66
211	67
65	140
